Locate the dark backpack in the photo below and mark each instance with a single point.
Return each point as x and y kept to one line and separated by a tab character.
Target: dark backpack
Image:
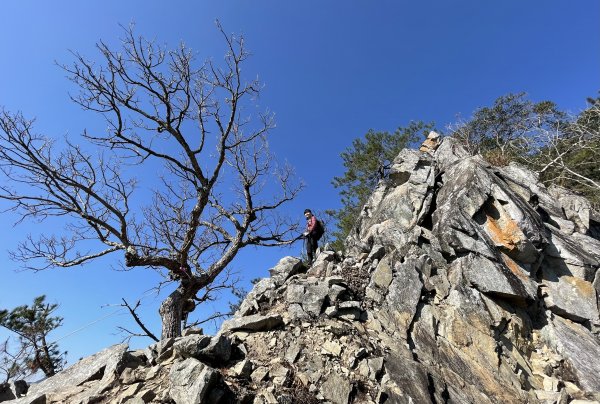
318	230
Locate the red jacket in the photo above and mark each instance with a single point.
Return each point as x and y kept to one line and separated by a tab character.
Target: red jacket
311	224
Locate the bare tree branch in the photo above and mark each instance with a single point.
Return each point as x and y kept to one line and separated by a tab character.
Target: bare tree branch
147	332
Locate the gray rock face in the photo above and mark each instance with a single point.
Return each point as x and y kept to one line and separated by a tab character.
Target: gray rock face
382	276
462	283
101	366
495	241
204	348
296	312
285	268
262	292
404	293
486	219
449	153
314	298
191	346
405	381
295	293
579	348
577	209
191	381
254	322
319	267
570	256
412	176
490	277
243	369
218	351
336	389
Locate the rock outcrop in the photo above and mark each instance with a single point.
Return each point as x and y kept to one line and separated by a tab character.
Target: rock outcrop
461	283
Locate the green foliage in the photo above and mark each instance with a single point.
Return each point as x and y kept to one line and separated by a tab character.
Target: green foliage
240	294
590	118
366	162
32	324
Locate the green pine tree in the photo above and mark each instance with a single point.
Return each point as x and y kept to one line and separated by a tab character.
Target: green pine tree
366	162
32	324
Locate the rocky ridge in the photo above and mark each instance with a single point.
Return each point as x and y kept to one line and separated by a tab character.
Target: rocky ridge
461	282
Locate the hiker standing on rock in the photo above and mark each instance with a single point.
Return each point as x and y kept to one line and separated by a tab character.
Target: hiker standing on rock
314	231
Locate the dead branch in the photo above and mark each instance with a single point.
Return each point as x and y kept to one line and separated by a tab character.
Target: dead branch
147	332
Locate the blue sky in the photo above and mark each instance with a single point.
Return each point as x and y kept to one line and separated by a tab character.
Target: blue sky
331	69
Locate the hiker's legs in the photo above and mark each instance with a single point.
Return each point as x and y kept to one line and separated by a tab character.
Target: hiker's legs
311	248
309	253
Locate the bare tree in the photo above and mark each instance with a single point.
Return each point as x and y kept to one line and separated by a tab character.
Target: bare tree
11	363
568	154
216	188
499	132
564	149
130	334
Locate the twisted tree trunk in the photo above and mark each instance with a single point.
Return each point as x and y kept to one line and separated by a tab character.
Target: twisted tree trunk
171	310
171	314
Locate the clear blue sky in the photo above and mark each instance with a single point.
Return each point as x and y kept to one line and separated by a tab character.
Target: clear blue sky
332	70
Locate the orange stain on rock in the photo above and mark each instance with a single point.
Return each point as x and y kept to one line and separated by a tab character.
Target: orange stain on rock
504	231
513	266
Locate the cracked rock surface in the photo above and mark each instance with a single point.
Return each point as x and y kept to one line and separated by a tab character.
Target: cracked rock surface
461	283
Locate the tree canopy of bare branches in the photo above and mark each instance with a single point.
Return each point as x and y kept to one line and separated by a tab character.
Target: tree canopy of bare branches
191	126
564	149
569	154
498	132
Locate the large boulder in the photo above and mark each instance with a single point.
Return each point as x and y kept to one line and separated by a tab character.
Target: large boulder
509	281
217	352
579	348
576	208
191	381
191	346
336	389
102	367
314	298
254	322
285	268
403	293
449	153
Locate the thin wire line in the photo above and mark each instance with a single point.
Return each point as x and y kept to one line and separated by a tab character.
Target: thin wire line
88	325
144	295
